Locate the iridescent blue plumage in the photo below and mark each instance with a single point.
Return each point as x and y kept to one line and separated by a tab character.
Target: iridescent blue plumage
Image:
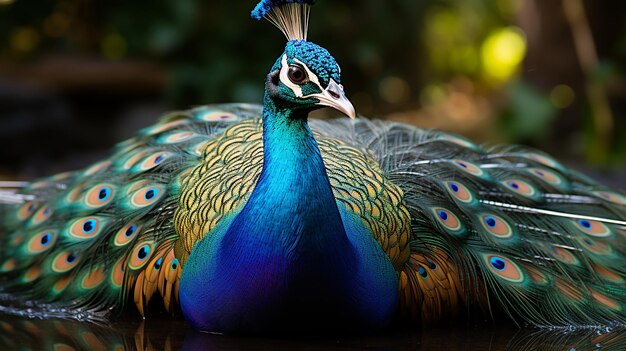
309	258
306	258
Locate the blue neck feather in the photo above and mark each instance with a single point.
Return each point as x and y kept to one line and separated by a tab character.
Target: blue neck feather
288	259
290	224
293	189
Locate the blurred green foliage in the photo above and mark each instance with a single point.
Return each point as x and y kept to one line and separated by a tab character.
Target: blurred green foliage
400	55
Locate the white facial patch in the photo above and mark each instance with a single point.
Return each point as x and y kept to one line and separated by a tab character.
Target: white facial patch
333	96
295	88
312	77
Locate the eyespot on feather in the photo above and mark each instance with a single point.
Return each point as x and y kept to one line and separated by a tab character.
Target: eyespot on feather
137	185
447	219
544	160
31	274
469	168
536	276
140	255
563	255
8	265
458	141
546	175
422	272
74	194
520	187
41	242
62	176
177	137
61	284
607	274
593	228
214	116
568	290
41	215
595	246
86	228
147	196
172	270
610	196
158	264
117	275
92	278
65	261
504	268
17	239
26	210
496	226
153	161
174	264
97	168
126	234
459	191
606	301
99	196
133	159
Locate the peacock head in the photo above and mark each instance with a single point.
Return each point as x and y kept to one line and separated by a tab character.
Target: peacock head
306	77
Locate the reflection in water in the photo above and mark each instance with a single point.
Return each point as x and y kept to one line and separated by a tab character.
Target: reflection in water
20	333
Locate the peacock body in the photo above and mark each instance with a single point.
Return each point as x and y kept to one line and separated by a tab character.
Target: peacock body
253	217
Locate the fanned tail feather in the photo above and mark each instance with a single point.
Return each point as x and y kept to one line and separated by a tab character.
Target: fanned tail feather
504	228
518	231
80	244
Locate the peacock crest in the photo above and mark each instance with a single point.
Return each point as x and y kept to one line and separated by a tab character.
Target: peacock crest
290	16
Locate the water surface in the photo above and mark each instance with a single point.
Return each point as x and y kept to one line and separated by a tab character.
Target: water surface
165	333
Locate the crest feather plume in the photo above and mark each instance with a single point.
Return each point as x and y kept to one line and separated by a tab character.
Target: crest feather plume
290	16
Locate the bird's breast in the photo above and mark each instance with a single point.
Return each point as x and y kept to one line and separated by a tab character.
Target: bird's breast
223	181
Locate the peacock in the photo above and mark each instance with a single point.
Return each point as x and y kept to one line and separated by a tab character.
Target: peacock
255	218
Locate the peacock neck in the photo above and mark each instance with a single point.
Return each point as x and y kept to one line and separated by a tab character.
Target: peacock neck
290	153
292	203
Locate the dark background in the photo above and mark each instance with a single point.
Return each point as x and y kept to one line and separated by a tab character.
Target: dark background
77	76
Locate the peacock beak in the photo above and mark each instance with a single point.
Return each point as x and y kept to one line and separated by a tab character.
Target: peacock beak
335	97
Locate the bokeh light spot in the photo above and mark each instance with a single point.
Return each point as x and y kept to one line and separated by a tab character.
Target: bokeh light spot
394	90
432	94
502	53
562	96
24	39
113	46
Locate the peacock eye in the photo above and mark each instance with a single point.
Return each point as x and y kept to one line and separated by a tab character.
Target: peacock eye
297	74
